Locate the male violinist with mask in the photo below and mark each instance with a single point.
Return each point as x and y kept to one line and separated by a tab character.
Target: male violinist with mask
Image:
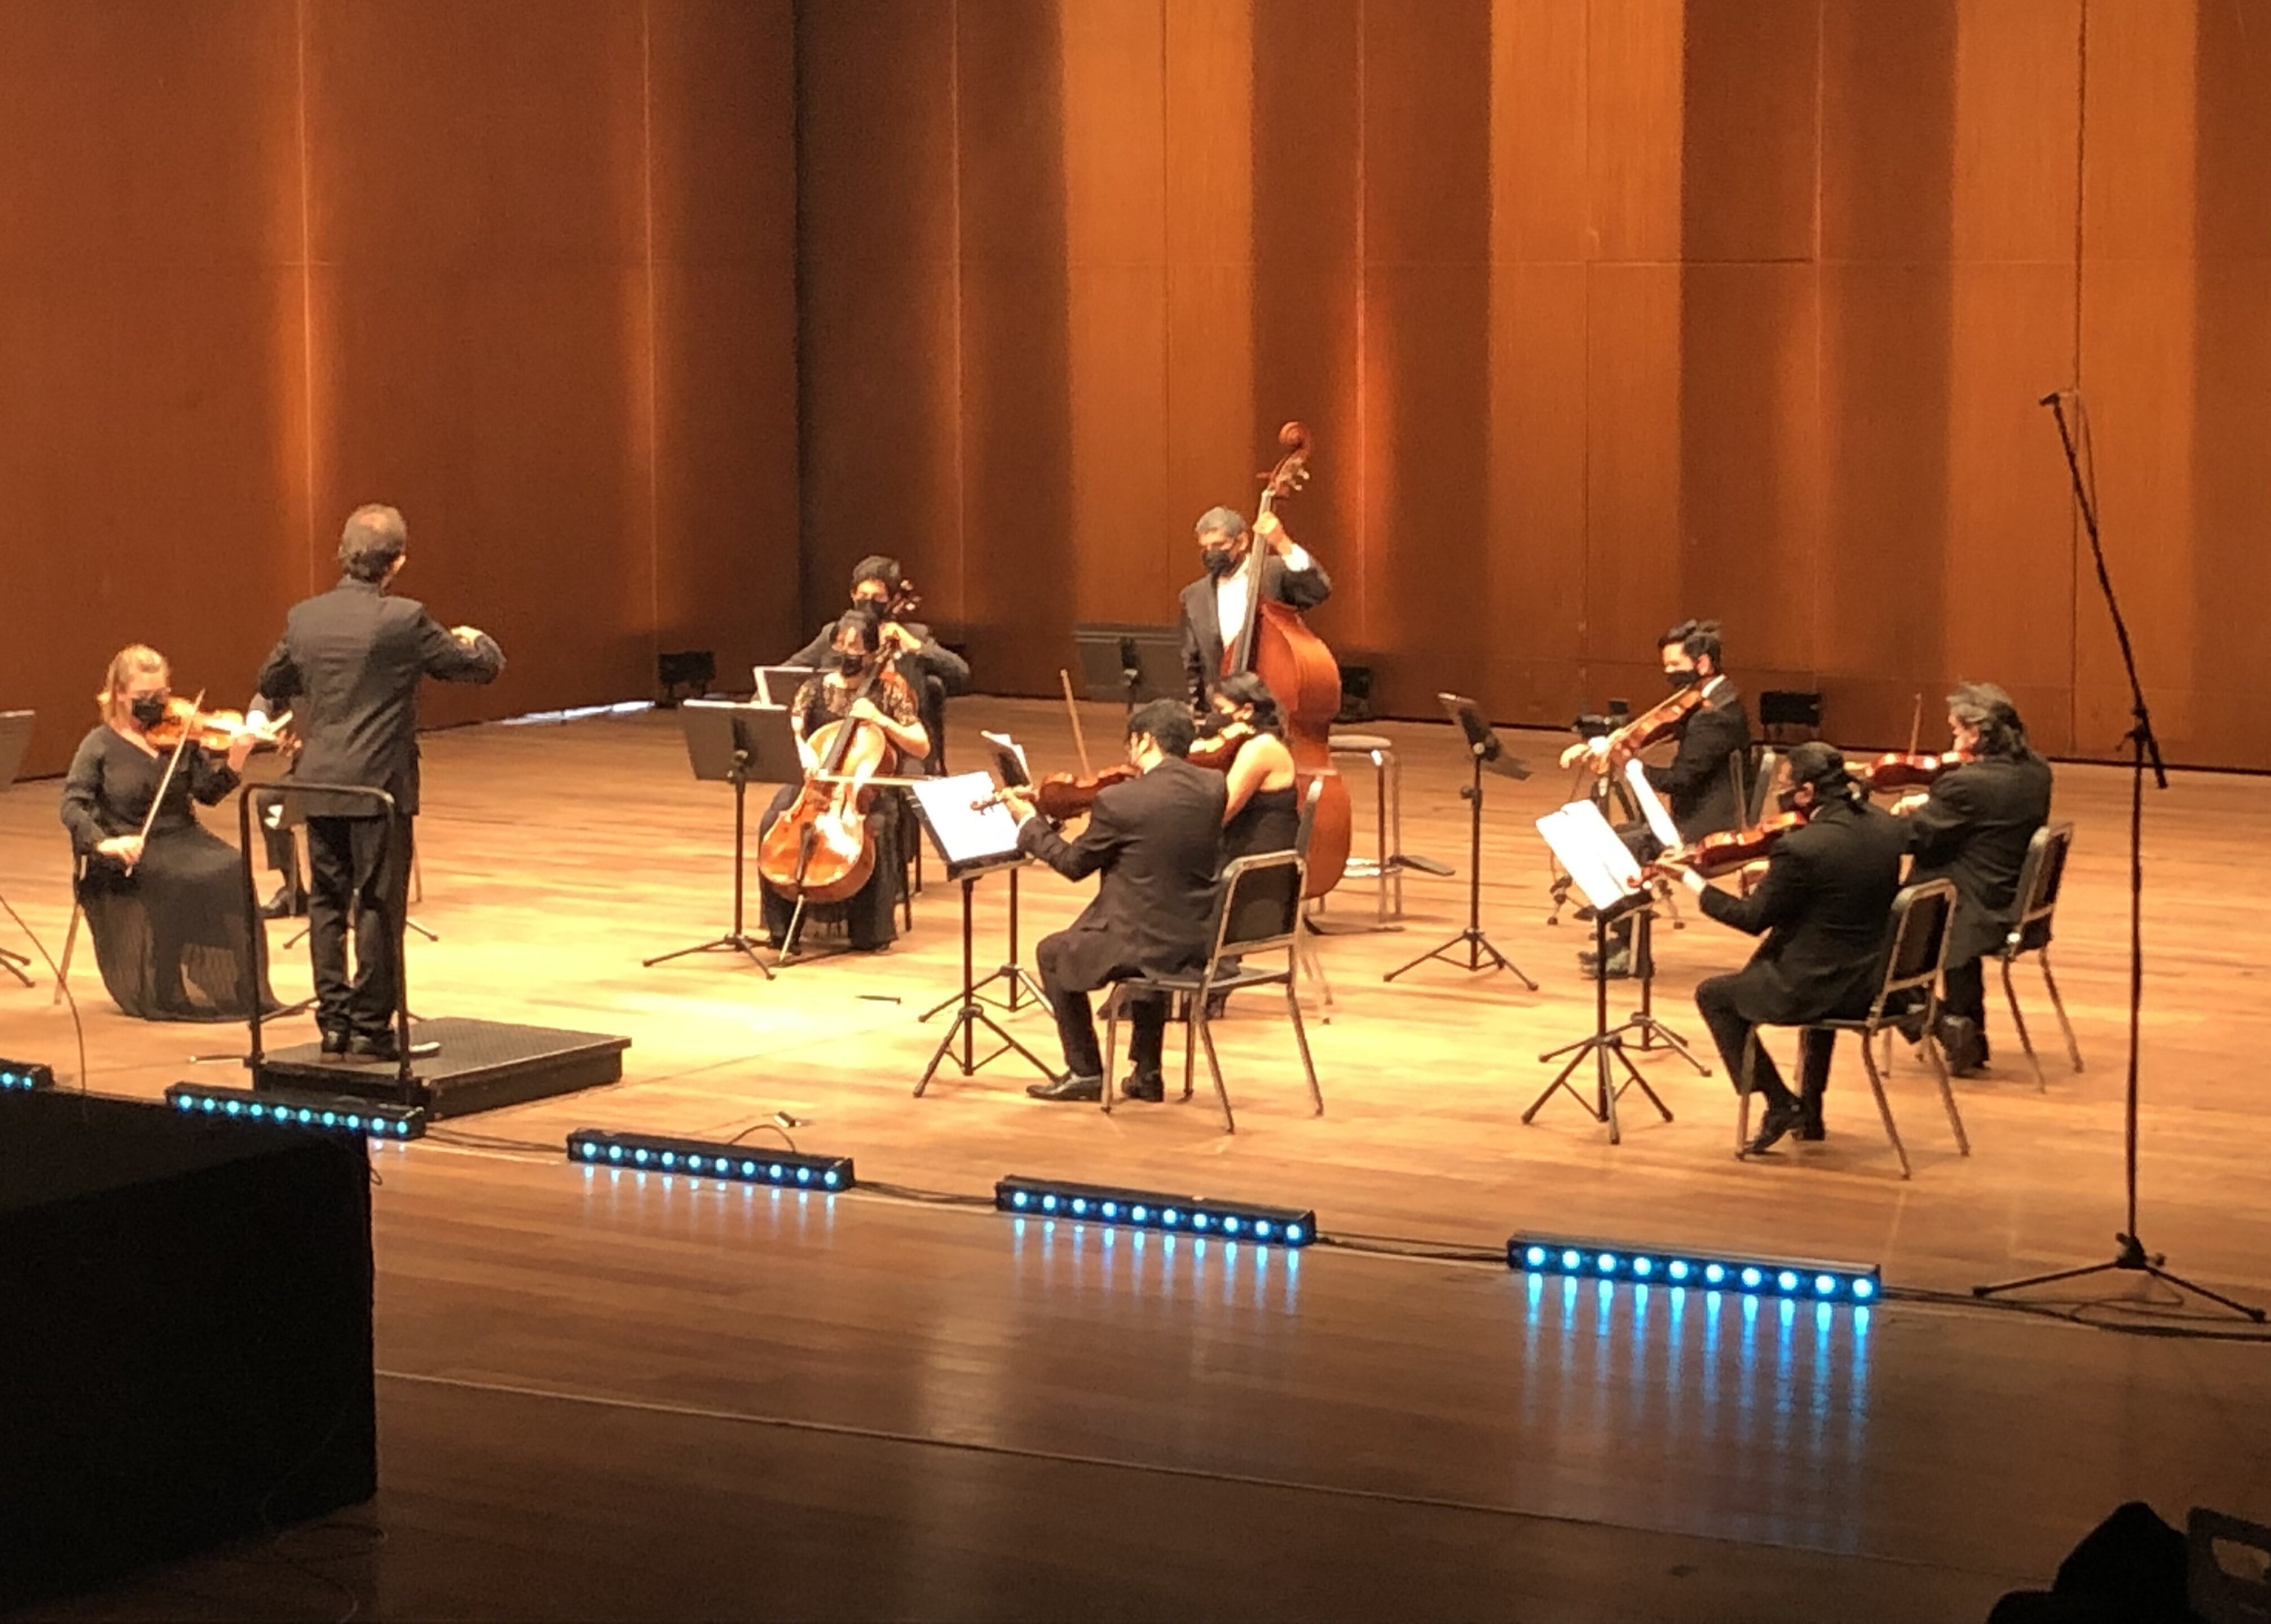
1699	784
1214	609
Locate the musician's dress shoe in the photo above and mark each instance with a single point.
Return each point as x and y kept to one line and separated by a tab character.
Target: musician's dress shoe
1779	1120
1067	1086
335	1042
383	1047
1141	1084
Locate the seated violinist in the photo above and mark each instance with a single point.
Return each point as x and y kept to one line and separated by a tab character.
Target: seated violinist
1824	908
1700	783
887	706
1243	733
1972	827
1156	839
167	911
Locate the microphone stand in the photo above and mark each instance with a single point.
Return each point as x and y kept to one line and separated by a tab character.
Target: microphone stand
2143	746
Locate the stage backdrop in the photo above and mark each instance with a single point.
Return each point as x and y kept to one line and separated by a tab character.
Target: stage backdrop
525	269
1604	312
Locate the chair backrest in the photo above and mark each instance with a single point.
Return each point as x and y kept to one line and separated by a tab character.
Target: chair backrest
1754	805
2040	877
1261	904
1919	939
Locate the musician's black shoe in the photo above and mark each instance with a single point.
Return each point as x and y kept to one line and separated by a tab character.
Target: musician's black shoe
1067	1086
383	1047
1809	1126
1142	1085
335	1042
286	904
1779	1120
1963	1044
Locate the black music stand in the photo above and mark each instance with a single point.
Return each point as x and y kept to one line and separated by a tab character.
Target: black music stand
1486	751
1131	665
1609	875
975	837
15	739
731	743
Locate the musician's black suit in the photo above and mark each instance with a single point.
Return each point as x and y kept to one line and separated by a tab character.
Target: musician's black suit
1973	828
1156	840
349	665
1303	588
1698	783
1824	908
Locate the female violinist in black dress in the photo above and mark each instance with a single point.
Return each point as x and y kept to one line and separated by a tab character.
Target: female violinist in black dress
1263	812
166	913
870	914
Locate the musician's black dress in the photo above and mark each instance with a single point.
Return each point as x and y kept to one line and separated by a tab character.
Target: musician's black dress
172	938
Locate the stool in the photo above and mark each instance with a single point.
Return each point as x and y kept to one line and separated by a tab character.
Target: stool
1386	867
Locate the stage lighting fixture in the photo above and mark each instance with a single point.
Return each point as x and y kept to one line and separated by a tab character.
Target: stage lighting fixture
23	1076
1658	1265
1139	1209
744	1164
376	1119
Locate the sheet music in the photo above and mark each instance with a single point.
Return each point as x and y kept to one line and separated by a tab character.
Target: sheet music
1006	749
965	834
1599	864
1651	804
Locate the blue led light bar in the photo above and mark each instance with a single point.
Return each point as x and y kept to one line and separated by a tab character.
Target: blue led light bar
744	1164
297	1108
1648	1266
23	1076
1139	1209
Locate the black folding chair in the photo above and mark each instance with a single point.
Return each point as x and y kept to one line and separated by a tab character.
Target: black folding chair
1260	913
2040	877
1921	913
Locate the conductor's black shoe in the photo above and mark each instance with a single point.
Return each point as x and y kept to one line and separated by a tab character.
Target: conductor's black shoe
1142	1085
286	904
334	1042
1067	1086
383	1047
1778	1121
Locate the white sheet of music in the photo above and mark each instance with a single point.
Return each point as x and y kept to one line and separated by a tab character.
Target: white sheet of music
1003	745
1651	804
967	833
1600	865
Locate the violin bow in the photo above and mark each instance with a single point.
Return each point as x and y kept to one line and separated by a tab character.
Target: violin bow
1079	739
166	778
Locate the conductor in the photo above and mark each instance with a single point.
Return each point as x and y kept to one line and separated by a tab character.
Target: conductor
349	665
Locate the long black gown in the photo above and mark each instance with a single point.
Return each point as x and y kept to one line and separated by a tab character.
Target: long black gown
172	938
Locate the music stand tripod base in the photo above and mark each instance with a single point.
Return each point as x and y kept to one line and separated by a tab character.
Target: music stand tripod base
971	1013
1606	1041
1018	978
1481	953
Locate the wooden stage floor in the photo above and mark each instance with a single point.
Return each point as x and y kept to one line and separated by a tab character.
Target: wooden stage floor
1937	1456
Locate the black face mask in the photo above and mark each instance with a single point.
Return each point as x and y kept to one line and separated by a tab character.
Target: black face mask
1218	562
851	662
1682	680
150	709
1787	800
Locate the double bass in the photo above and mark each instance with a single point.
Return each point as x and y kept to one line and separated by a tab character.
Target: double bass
1277	645
819	850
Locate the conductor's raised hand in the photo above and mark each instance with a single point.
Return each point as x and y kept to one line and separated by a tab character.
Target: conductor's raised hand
467	635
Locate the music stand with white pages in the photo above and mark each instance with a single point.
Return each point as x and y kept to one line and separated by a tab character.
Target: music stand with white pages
1603	868
976	835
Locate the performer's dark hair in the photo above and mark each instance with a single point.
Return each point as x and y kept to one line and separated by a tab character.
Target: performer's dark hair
865	623
374	537
1243	688
876	567
1695	637
1983	706
1168	723
1822	766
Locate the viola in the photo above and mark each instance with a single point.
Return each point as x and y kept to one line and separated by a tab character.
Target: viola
1905	770
1277	645
1217	751
1724	853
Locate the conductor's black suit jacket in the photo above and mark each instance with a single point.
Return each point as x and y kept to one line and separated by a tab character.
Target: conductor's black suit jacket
349	665
1156	840
1824	908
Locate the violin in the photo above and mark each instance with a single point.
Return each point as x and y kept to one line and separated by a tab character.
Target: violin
1724	853
1218	750
1905	770
1061	795
217	730
1658	723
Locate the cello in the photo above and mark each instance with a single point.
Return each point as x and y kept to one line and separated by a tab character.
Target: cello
819	850
1277	645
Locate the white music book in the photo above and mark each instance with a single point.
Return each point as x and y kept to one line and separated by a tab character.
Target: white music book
1600	865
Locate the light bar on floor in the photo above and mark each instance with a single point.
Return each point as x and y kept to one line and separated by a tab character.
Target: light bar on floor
1645	1266
298	1108
1139	1209
648	1153
23	1076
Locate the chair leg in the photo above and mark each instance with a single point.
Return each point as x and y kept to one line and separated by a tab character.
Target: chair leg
1305	959
1214	1065
1111	1040
1192	1003
2019	1024
1301	1041
70	944
2073	1048
1743	1076
1948	1099
1884	1105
